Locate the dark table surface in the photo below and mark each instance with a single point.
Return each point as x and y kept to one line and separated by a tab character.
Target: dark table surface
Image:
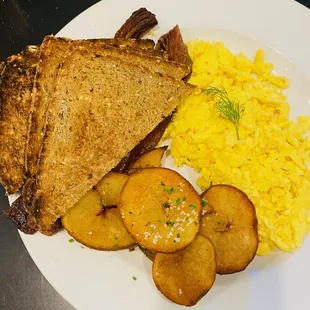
23	22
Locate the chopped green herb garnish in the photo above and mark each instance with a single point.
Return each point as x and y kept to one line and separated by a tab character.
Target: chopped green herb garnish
115	245
166	205
204	202
218	223
184	198
192	207
71	240
148	223
195	223
178	235
186	219
104	203
169	223
178	201
169	190
159	221
134	278
130	212
115	238
162	183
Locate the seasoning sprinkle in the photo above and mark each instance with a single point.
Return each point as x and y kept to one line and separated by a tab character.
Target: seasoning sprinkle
169	190
71	240
166	205
170	223
134	278
192	206
204	202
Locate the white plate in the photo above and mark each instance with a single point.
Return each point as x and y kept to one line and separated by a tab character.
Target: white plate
92	280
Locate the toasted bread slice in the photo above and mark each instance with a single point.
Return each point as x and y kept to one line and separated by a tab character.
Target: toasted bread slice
138	58
16	85
102	107
53	51
17	77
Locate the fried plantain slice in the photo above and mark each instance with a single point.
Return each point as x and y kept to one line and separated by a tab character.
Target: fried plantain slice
230	223
160	209
147	160
186	276
96	226
110	187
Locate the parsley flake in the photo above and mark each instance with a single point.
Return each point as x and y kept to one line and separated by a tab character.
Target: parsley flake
218	223
169	223
115	238
162	183
178	201
204	202
178	235
148	223
166	205
169	190
134	278
195	223
71	240
115	246
159	221
184	198
104	203
192	207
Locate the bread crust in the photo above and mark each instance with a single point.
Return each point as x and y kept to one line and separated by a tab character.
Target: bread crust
16	83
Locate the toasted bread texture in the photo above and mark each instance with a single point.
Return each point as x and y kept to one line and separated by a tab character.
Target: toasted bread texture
140	58
144	44
16	83
52	53
101	108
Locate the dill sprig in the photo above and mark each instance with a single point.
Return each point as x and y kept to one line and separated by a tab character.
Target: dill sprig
229	109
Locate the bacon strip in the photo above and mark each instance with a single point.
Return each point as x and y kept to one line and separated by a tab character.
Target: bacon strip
139	23
172	43
19	216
